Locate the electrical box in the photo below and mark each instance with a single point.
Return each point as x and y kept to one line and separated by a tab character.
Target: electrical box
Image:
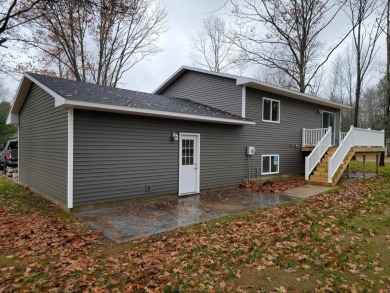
250	150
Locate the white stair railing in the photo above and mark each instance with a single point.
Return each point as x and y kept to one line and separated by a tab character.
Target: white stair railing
342	136
355	137
319	151
311	137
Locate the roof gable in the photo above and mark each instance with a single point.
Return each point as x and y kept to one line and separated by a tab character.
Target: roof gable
249	82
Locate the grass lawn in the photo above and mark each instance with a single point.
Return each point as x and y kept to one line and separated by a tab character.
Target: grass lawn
334	242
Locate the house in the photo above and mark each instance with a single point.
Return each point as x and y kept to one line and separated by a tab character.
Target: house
82	144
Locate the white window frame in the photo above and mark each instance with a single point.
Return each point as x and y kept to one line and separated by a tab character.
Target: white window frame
270	155
272	100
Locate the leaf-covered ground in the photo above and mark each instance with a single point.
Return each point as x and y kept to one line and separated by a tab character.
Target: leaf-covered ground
273	186
338	241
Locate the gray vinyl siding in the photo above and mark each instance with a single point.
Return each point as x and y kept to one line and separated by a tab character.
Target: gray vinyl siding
281	138
218	92
116	155
43	141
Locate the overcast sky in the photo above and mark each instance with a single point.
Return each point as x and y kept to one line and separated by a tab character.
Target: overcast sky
185	19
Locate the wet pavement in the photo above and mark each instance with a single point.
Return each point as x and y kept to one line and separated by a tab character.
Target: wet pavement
136	220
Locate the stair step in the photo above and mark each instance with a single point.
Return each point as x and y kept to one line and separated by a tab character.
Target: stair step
320	173
317	178
320	183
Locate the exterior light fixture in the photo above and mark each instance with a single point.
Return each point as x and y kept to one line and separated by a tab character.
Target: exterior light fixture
174	136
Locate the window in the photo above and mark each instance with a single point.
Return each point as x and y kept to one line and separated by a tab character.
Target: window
271	110
269	164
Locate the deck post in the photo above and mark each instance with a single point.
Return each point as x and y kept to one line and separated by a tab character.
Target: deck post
348	170
364	166
377	165
303	137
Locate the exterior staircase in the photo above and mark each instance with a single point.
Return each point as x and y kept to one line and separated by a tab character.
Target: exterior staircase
326	163
320	174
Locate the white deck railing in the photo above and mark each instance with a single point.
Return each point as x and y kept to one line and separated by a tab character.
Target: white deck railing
311	137
342	136
315	156
355	137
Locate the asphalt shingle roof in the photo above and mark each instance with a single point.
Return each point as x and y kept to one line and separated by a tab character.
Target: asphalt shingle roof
92	93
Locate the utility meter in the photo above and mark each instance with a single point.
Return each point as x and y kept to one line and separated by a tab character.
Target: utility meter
250	151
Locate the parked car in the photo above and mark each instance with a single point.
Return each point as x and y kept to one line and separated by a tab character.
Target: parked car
9	154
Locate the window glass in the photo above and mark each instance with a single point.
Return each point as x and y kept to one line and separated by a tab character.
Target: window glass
270	164
266	164
266	110
271	110
13	145
275	111
274	164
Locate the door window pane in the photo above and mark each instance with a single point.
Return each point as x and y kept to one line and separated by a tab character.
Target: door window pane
187	152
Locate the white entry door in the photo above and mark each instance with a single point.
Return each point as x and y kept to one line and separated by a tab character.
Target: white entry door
189	158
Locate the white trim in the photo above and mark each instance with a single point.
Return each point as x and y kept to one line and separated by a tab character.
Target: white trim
18	155
24	87
243	107
179	193
240	80
12	118
271	121
145	112
70	156
270	155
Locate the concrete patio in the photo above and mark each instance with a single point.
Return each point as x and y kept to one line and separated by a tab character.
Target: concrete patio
133	221
141	219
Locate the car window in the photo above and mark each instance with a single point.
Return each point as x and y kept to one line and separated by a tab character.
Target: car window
13	145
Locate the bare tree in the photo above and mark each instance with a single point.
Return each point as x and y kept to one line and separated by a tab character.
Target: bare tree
14	13
96	41
211	48
372	106
365	36
273	76
340	84
386	29
291	41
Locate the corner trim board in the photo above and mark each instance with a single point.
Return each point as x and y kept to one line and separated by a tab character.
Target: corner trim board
70	156
243	107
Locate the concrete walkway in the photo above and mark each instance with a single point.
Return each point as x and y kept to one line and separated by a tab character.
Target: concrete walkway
306	191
